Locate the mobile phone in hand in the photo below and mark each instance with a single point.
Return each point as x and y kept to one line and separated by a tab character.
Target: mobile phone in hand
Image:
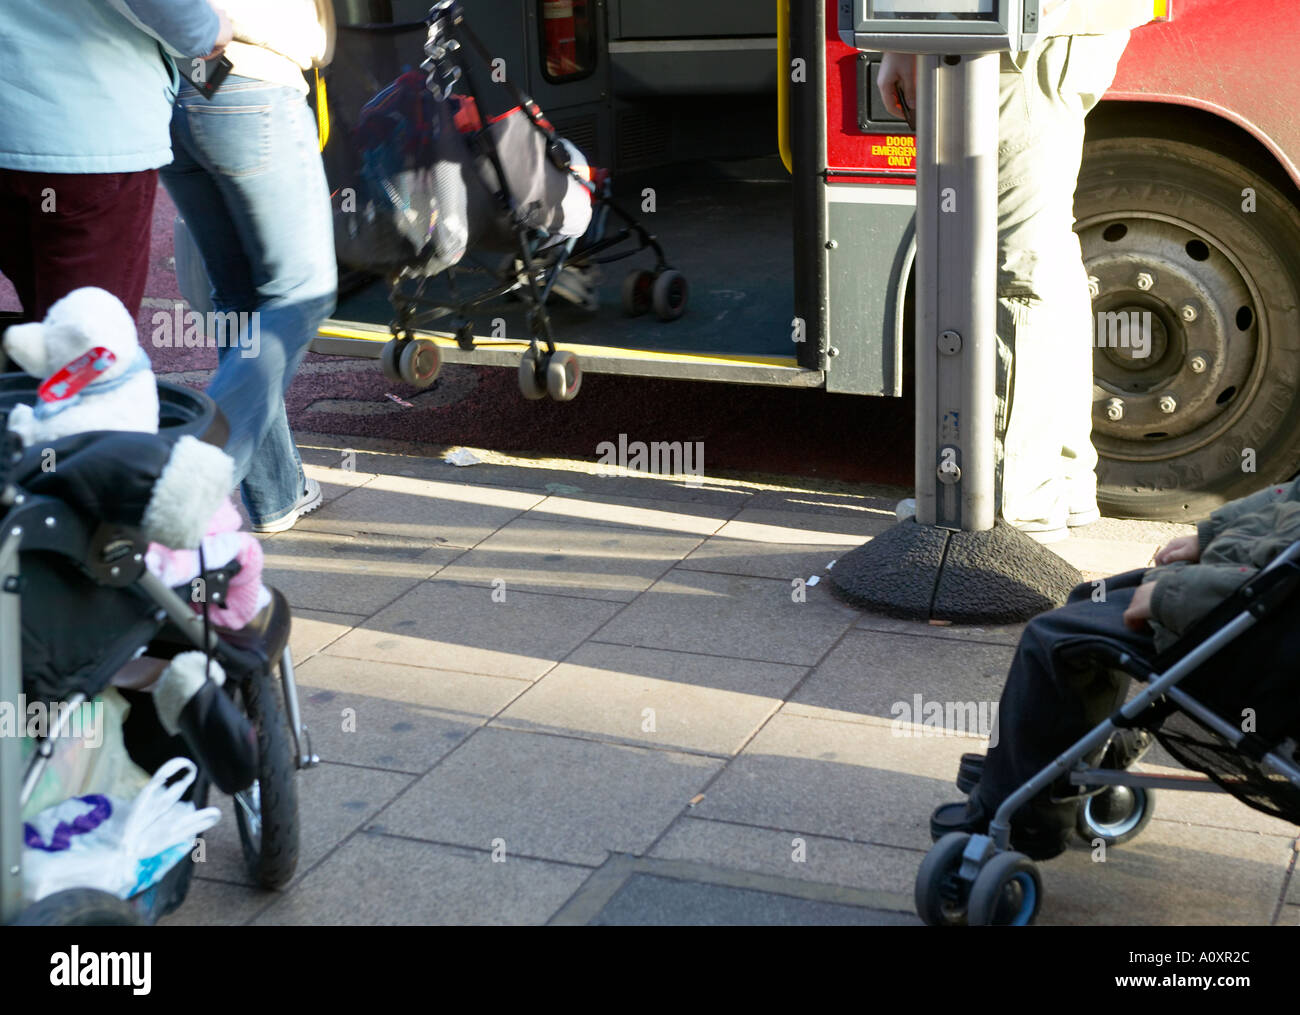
205	75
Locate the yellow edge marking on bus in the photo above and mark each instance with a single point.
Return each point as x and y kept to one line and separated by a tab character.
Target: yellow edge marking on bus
591	351
783	83
322	111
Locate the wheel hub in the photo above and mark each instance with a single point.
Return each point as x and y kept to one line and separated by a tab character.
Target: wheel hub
1175	336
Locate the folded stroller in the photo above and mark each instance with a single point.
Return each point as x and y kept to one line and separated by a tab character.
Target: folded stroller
1239	726
76	604
427	185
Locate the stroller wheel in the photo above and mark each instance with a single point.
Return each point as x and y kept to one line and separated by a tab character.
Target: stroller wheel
563	376
267	812
80	907
389	358
638	289
529	383
1116	814
419	362
1006	892
669	295
940	893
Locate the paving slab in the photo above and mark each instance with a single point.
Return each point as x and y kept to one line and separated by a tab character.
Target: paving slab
686	517
219	904
385	715
782	544
356	574
1167	876
731	615
333	801
874	676
650	901
652	697
379	880
549	797
997	634
578	559
427	512
846	780
451	626
789	854
312	630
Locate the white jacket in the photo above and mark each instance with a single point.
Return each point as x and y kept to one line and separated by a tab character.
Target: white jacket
276	40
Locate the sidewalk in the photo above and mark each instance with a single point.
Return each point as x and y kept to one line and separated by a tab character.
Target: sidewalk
547	696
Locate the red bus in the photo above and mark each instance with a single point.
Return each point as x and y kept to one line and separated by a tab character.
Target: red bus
1188	209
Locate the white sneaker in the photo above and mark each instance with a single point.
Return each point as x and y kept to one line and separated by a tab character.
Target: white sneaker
308	502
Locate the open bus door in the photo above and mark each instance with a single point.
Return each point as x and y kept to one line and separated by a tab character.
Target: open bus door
734	227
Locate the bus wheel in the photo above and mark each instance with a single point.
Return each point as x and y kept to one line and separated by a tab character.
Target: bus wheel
1196	311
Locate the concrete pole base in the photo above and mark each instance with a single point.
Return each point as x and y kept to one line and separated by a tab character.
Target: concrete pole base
920	572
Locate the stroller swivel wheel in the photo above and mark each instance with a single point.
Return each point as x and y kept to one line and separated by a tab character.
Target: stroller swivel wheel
668	296
419	363
267	812
638	290
530	383
940	893
563	376
1115	815
80	907
1006	892
389	359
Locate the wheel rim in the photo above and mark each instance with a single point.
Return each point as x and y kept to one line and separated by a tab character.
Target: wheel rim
1100	814
1016	902
1207	355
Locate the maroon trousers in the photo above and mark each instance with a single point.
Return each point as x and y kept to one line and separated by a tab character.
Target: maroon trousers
62	231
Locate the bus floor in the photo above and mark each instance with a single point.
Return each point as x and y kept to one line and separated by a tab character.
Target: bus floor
725	226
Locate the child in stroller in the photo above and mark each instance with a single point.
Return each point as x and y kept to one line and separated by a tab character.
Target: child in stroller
81	608
1229	583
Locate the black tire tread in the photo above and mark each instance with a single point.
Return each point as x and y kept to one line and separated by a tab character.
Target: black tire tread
274	865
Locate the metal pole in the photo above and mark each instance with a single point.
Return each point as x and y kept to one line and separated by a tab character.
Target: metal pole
11	682
956	318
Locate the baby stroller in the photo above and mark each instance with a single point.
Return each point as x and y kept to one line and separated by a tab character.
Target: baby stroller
77	603
429	185
1239	727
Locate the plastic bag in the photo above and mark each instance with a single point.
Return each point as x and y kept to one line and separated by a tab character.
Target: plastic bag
119	846
94	762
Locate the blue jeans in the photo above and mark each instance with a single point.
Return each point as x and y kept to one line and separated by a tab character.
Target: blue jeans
248	179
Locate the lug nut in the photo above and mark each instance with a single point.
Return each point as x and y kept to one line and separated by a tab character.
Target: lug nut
1145	281
1115	410
1189	313
1198	364
1167	404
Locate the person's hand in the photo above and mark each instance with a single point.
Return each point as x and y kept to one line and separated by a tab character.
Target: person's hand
897	70
1182	548
1139	609
225	33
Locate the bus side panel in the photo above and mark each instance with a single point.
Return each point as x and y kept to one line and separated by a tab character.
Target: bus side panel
869	231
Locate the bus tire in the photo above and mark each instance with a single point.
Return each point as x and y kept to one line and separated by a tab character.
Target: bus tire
1211	411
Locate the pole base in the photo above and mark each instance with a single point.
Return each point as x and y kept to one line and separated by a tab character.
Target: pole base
920	572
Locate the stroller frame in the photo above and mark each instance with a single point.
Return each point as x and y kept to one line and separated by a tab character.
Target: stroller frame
44	523
982	867
535	280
